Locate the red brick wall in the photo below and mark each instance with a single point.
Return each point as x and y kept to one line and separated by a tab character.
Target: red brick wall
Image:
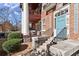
48	23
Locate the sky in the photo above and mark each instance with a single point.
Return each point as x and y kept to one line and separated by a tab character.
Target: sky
11	12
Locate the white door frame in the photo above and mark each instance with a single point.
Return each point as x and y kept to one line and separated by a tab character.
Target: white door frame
67	21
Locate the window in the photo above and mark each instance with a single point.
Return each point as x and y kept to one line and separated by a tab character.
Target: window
55	14
66	10
61	12
65	4
76	17
43	24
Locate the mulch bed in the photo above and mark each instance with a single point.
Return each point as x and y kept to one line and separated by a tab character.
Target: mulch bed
24	50
2	53
23	47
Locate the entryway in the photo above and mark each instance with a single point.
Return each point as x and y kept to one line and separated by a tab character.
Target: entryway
61	21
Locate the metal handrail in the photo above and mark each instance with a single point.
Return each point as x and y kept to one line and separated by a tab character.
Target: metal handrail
61	32
60	35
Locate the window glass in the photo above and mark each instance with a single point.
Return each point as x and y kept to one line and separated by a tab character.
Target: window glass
61	12
76	17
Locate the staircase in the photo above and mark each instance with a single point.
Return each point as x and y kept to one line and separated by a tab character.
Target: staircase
42	49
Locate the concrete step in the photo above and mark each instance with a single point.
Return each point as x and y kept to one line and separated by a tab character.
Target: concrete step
44	45
47	42
64	48
38	49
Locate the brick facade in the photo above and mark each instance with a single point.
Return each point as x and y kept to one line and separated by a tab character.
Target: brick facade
49	22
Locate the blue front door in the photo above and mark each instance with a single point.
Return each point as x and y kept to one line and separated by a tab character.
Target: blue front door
61	30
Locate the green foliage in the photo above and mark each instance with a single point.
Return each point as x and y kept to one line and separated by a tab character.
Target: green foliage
1	42
11	45
14	35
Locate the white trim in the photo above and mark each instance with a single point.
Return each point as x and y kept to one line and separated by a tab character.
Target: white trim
54	32
42	25
68	26
64	7
43	30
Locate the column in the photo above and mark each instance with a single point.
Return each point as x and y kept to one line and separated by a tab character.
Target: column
25	22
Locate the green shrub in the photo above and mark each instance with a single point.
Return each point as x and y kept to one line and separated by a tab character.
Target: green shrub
1	42
11	45
14	35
